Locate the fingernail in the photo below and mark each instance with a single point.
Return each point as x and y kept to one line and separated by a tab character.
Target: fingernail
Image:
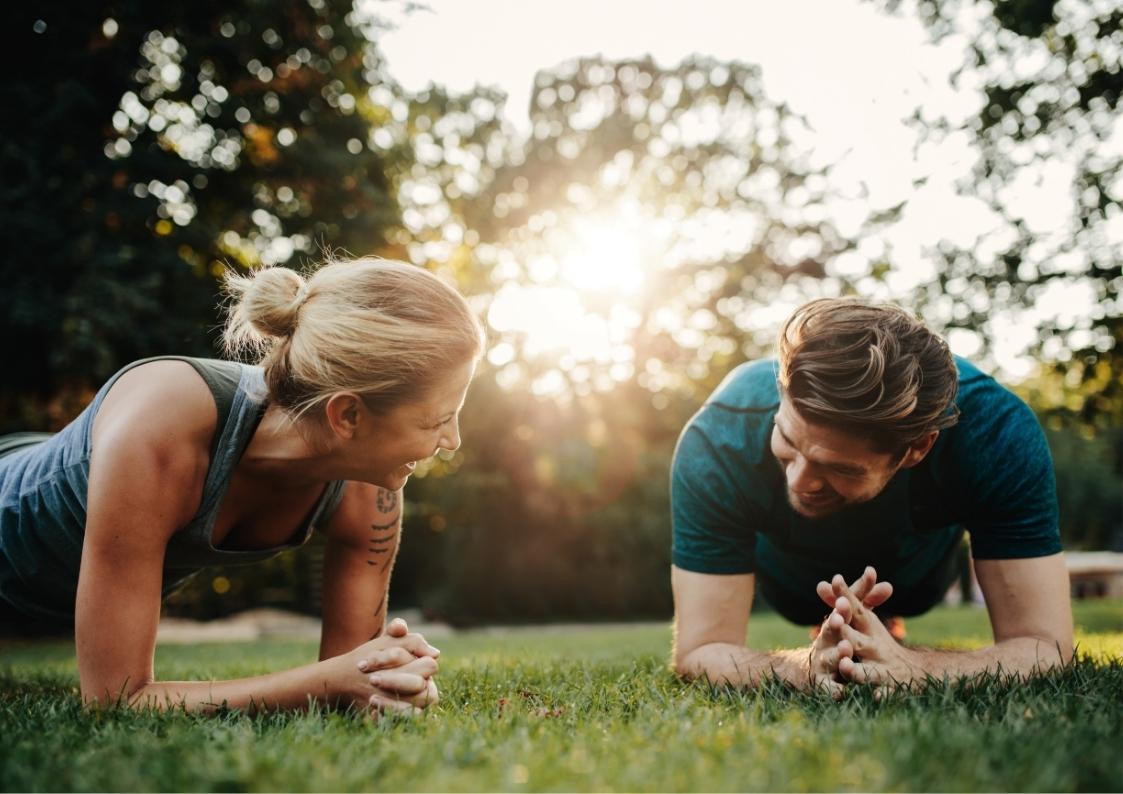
376	680
363	664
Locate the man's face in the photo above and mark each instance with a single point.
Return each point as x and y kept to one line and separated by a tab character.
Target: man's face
827	469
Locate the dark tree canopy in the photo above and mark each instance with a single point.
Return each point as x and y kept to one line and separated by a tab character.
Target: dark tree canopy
153	144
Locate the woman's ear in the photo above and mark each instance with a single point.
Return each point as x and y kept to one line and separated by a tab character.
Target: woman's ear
344	412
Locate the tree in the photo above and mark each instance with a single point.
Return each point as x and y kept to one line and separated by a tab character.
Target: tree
157	144
1049	78
642	241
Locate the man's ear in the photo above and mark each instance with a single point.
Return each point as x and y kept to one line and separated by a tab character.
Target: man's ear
919	449
344	412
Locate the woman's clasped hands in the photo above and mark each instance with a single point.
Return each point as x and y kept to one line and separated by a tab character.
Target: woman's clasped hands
393	673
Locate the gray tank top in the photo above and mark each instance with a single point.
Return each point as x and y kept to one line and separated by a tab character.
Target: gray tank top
43	486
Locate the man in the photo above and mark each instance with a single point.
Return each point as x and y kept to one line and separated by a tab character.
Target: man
865	449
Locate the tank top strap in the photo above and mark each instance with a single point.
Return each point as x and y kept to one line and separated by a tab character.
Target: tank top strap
222	378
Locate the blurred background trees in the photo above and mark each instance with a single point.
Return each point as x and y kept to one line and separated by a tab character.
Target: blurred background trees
647	235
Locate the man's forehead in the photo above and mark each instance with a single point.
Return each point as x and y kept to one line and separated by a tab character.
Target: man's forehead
824	443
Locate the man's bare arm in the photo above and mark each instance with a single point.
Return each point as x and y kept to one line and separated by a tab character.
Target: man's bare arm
1030	614
711	625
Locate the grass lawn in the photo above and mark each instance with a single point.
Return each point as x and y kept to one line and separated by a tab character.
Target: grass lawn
585	709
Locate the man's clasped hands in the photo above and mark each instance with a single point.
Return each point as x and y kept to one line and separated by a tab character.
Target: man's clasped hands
853	645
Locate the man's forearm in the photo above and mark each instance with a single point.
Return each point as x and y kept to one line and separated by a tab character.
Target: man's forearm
1022	655
736	665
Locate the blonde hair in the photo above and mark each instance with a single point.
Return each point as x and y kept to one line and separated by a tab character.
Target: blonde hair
383	329
874	370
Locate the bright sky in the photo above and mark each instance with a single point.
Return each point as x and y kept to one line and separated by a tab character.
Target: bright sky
853	72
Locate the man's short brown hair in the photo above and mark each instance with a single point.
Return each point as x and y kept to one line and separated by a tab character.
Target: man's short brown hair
872	370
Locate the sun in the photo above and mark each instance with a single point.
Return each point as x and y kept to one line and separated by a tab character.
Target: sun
604	257
578	308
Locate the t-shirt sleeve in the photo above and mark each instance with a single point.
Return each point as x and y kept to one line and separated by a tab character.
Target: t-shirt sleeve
711	533
1011	484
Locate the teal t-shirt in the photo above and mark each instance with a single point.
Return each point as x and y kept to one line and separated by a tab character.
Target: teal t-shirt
990	474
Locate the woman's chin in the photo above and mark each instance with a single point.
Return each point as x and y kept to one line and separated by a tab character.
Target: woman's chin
396	479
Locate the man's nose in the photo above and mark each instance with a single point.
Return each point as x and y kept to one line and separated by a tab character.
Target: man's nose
802	477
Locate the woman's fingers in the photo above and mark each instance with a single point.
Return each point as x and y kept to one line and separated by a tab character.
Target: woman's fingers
384	704
397	628
387	657
424	666
416	644
407	684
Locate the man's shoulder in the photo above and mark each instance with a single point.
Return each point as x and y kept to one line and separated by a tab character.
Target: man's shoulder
736	419
983	401
997	435
750	388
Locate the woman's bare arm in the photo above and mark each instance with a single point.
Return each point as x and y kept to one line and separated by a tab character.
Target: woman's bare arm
362	542
146	474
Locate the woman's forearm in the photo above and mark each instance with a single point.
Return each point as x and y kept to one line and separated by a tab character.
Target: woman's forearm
288	689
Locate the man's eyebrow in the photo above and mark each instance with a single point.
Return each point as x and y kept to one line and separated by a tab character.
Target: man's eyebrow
845	468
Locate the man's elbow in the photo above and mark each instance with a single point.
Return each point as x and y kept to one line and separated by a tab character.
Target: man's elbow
1051	651
684	663
1065	649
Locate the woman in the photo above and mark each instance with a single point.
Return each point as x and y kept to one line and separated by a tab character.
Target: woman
182	463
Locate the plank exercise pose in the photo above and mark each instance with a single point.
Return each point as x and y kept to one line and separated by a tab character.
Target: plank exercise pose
865	450
179	463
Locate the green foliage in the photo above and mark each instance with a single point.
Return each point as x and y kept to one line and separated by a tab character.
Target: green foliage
156	144
592	709
559	504
1051	76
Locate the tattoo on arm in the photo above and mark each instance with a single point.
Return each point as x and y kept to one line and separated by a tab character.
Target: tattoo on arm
382	539
382	542
381	624
386	501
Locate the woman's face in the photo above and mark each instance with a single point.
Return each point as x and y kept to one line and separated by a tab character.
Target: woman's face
388	446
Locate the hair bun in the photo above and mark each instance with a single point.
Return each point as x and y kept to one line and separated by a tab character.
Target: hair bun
273	301
264	305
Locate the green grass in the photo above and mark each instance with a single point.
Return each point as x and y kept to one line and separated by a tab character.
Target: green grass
585	709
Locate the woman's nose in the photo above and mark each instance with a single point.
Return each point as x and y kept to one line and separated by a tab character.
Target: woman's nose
450	439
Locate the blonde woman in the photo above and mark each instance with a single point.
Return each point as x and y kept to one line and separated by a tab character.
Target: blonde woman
180	463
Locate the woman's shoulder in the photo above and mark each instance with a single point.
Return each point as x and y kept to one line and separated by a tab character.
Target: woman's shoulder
157	403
